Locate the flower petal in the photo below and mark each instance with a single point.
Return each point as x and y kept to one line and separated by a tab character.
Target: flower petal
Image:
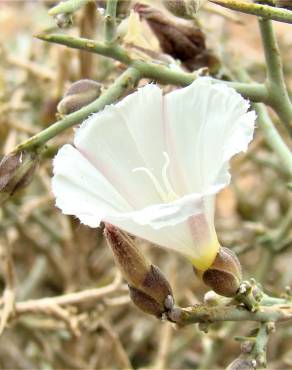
123	137
82	191
206	125
199	127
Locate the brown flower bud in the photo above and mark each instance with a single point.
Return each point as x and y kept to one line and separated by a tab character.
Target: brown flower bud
16	172
181	40
183	8
224	275
148	287
79	94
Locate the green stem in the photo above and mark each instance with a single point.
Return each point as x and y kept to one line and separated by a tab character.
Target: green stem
256	92
284	227
259	350
201	313
163	74
273	137
275	83
114	52
127	79
264	11
214	351
69	6
266	260
110	21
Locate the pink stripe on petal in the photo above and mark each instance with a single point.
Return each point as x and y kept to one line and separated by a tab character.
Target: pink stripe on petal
109	175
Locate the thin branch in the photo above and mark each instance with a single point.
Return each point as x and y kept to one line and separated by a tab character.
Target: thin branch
277	90
264	11
127	79
273	137
253	349
259	350
9	291
85	296
207	314
120	352
161	73
110	21
69	6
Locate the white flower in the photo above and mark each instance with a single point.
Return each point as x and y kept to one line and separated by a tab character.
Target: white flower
152	165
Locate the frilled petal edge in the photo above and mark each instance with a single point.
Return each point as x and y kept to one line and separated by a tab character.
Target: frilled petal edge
206	124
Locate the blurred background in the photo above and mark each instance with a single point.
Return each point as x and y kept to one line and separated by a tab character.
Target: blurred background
46	254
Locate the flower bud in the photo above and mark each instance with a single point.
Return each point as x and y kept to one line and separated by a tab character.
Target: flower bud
79	94
224	275
183	8
180	40
64	20
148	287
213	299
16	172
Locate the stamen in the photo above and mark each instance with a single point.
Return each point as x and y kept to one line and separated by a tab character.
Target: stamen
168	194
170	191
154	181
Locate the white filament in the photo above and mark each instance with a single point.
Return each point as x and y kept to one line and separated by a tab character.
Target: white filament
168	194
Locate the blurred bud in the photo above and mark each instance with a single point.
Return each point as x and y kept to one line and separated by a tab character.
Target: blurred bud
242	364
181	40
271	327
213	299
287	4
224	275
79	94
123	7
184	8
16	171
246	346
148	287
49	110
63	20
